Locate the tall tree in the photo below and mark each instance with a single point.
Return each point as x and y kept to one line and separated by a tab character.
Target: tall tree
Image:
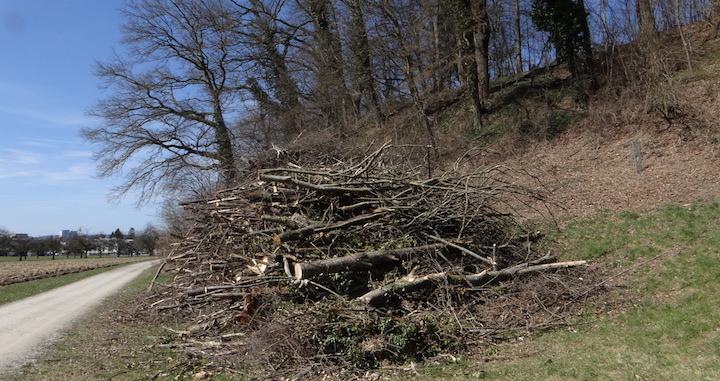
5	246
566	22
401	22
647	28
170	95
518	39
330	93
272	86
481	37
470	22
443	47
147	240
361	63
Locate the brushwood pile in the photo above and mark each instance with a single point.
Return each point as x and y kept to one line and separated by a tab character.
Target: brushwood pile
356	265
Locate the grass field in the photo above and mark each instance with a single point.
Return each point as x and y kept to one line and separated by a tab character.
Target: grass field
661	323
17	291
14	271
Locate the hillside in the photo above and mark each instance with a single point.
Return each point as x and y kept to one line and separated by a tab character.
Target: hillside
585	174
590	165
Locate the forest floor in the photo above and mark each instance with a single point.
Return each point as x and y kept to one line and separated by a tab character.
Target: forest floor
583	175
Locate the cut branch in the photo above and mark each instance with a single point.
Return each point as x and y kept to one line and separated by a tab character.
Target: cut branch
463	250
358	262
379	296
324	188
298	234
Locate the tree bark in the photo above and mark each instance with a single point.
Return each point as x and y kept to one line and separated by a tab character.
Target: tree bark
358	262
378	297
518	40
333	95
362	68
481	36
647	29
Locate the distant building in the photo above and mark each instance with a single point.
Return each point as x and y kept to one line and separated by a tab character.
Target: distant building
19	236
67	234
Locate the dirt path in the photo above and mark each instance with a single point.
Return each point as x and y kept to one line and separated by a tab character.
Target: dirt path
29	325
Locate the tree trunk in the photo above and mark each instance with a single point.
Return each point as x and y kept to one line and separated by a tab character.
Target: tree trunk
226	152
358	262
362	64
518	40
715	17
333	96
686	43
481	37
464	13
646	21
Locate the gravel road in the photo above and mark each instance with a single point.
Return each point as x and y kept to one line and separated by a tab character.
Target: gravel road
29	325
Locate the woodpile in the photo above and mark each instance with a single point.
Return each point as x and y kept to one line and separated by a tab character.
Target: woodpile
354	244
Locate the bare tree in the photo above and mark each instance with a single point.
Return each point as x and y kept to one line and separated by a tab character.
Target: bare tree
566	23
329	93
272	85
471	25
361	64
481	37
5	246
518	39
171	95
147	240
647	29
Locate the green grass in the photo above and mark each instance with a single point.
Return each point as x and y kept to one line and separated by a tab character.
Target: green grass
17	291
42	258
670	331
57	258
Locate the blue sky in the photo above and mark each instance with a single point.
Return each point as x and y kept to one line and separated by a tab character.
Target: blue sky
47	175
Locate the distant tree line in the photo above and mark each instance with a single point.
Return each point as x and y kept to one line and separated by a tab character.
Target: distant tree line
80	245
200	86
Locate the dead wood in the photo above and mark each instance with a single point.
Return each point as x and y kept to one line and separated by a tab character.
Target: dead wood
292	230
378	297
328	188
463	250
359	261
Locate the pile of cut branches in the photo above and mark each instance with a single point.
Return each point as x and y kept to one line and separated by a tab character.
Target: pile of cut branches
356	264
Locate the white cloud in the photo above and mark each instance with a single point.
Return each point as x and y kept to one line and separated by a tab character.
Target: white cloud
6	174
47	143
74	154
73	173
13	156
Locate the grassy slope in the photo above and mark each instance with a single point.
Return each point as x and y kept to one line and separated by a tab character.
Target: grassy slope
671	328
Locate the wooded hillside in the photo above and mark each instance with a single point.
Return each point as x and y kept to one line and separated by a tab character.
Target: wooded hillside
205	87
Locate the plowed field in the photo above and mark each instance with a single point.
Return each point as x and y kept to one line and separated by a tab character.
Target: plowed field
16	272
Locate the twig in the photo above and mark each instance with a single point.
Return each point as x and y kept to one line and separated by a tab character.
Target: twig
464	250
